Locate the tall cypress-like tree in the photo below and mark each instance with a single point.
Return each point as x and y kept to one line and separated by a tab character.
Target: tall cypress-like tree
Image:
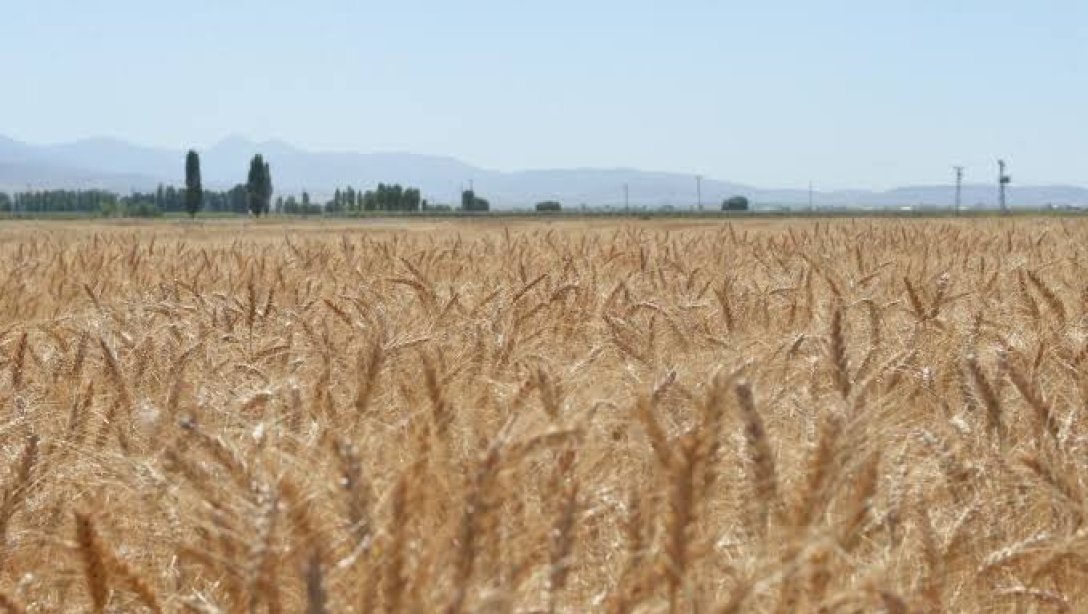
266	188
259	186
194	191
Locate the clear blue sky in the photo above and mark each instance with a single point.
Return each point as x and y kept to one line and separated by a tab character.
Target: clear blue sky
870	93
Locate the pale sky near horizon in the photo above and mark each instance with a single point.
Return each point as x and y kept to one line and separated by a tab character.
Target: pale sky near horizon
864	94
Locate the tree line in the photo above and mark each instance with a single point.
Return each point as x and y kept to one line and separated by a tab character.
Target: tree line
237	200
386	197
165	199
254	197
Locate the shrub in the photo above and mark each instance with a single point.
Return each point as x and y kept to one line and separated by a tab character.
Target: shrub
549	205
736	203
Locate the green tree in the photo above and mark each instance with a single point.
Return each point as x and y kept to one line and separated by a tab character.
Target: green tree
549	205
174	199
349	199
370	201
266	187
194	192
238	199
471	202
737	203
412	199
259	186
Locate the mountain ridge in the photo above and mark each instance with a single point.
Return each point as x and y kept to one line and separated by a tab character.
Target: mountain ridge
109	163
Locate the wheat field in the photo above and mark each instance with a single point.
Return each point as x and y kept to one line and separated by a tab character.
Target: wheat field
802	416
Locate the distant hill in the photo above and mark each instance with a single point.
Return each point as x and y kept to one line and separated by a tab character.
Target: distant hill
120	166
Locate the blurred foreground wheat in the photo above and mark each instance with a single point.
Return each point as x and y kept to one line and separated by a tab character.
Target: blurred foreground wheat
843	416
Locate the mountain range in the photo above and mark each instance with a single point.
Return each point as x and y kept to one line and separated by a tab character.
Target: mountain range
120	166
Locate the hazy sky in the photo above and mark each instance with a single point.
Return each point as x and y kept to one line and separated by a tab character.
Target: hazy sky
869	93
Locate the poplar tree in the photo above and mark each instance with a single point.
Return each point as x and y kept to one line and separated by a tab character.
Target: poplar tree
259	186
194	192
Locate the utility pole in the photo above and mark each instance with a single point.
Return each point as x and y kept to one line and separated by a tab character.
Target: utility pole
1002	181
810	205
959	187
626	198
699	191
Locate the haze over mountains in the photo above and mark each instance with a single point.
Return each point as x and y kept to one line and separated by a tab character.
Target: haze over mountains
123	167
